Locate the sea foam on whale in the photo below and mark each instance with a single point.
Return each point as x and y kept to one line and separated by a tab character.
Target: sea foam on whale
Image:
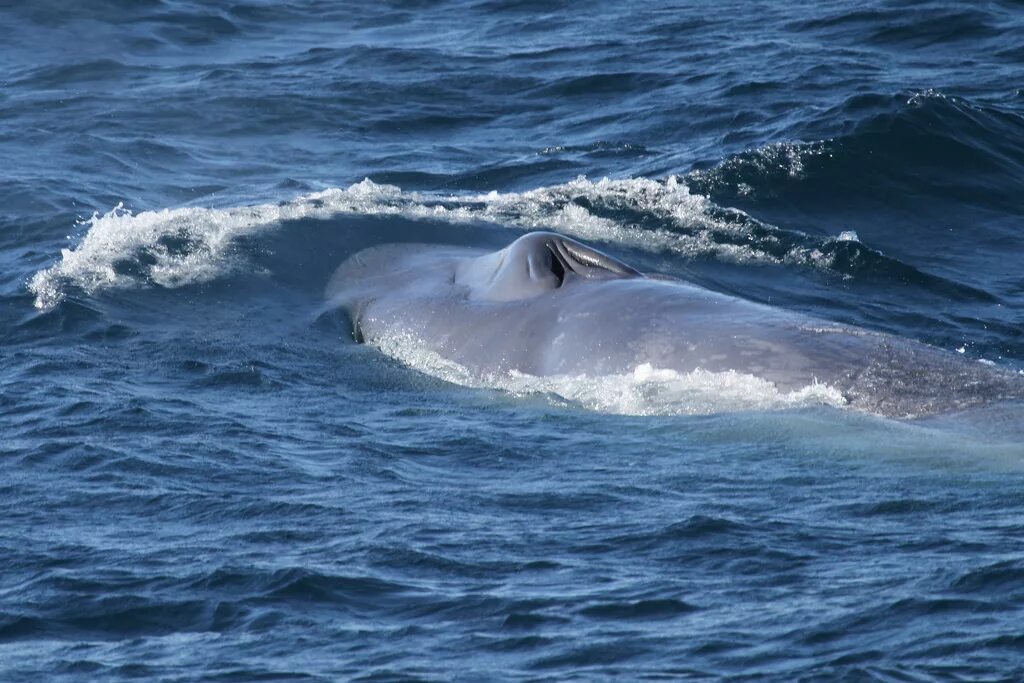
646	390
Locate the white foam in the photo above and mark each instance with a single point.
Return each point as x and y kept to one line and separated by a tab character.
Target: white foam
205	236
176	247
644	391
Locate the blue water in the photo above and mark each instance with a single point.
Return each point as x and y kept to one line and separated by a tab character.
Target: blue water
206	478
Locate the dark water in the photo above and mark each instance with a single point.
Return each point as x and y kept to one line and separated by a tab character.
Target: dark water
204	478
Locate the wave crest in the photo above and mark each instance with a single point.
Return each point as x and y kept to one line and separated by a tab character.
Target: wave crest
895	147
184	246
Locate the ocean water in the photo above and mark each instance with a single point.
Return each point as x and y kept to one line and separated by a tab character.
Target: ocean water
206	478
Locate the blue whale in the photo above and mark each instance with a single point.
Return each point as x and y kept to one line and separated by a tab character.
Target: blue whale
549	305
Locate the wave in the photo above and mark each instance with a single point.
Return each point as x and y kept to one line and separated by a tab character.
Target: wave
893	148
184	246
895	27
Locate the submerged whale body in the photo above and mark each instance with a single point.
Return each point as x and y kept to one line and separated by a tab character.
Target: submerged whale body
548	305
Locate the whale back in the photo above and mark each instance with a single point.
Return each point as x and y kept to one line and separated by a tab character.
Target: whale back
550	306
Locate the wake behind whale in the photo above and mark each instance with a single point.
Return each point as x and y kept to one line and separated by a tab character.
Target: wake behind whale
549	306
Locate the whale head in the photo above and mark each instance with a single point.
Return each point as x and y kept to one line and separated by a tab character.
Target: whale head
535	264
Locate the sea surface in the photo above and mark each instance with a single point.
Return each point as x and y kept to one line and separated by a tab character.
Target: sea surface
205	478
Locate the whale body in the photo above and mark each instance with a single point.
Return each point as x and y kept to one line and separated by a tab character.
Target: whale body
549	305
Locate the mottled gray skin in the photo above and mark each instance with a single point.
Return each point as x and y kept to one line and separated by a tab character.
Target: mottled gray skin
549	305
